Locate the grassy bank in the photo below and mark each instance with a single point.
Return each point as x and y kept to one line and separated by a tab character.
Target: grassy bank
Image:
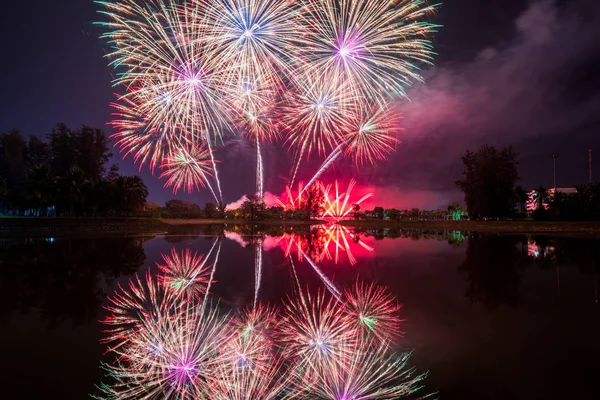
286	222
66	225
592	228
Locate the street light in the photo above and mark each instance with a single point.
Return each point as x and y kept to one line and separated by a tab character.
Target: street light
554	157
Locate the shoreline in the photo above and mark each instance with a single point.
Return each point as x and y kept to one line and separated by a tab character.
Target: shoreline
13	226
540	227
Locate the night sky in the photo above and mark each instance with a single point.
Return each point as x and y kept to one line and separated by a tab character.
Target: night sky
508	72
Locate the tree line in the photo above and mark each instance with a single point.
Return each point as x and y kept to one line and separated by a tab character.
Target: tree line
253	208
490	184
65	175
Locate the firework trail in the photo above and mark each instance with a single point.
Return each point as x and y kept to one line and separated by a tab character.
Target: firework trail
255	39
330	286
259	170
337	235
193	70
236	383
257	269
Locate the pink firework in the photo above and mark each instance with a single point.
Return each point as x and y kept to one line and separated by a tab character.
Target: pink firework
131	308
339	204
316	333
374	311
235	383
176	355
372	373
373	135
251	345
343	242
315	116
187	168
185	273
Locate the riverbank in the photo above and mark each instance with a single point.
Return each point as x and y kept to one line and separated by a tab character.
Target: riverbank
271	222
69	226
76	225
65	226
530	227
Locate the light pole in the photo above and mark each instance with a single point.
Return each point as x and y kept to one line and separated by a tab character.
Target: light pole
590	163
554	157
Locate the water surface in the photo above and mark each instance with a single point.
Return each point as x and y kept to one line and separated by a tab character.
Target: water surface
489	316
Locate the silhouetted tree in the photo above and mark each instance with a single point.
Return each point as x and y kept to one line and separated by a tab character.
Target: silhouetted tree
210	210
253	207
66	172
313	201
489	181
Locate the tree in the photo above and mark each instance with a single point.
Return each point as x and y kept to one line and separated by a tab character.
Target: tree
393	214
541	197
521	198
378	211
456	212
131	193
210	210
66	171
86	147
38	190
253	207
182	209
313	201
13	150
92	151
71	187
356	211
588	201
38	152
489	181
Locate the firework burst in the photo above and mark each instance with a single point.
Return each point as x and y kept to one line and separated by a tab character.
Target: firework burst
371	374
130	308
375	311
316	115
185	273
187	169
337	203
317	333
373	47
175	355
372	137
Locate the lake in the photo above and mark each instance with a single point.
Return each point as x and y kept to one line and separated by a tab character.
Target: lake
485	315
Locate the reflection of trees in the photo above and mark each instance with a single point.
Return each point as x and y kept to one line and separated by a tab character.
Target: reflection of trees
492	264
65	279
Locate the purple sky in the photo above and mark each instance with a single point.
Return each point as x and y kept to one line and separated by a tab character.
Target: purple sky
508	72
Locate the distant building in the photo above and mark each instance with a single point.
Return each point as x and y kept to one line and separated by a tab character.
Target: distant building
532	197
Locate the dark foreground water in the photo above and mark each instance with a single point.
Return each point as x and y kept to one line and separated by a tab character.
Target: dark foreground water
489	316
